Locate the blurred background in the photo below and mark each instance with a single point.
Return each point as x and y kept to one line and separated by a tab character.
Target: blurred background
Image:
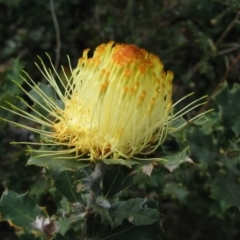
199	40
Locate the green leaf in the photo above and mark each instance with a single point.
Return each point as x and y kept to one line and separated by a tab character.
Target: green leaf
73	214
13	73
135	211
202	146
36	95
4	98
177	123
40	186
66	184
182	123
56	165
30	236
140	178
228	100
226	192
103	212
200	121
176	191
21	210
63	226
173	161
112	182
126	163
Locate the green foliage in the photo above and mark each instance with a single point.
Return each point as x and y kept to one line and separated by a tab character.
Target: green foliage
199	41
9	89
38	98
56	165
112	185
21	210
226	192
122	162
229	109
173	161
67	186
135	210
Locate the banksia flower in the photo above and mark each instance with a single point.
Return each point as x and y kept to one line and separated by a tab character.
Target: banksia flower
117	103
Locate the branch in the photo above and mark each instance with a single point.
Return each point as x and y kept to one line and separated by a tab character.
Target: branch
58	38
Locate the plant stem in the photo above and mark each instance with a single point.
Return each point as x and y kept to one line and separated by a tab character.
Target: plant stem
97	176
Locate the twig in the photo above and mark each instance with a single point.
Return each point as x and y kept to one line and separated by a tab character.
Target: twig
226	3
193	70
228	50
230	26
58	38
218	87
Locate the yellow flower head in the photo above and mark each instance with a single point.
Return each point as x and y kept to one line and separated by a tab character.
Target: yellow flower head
117	103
